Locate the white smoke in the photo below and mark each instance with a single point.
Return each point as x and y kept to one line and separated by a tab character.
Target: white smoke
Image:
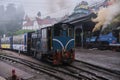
113	11
106	15
55	5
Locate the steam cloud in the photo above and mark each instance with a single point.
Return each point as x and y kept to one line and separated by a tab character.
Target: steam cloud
56	5
106	15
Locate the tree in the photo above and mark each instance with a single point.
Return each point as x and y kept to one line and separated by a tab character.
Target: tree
11	18
39	14
20	16
2	21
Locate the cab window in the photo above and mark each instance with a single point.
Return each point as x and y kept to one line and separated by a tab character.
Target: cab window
57	31
63	30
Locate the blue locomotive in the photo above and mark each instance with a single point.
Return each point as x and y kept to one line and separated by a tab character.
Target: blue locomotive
54	43
110	40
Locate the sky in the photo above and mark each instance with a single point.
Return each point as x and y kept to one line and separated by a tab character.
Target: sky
53	8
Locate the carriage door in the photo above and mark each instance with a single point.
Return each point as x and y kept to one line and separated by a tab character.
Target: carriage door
44	40
49	35
29	42
11	42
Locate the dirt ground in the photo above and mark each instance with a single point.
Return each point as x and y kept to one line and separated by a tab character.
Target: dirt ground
105	58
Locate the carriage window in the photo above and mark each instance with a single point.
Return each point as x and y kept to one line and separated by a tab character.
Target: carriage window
34	41
44	33
5	40
18	39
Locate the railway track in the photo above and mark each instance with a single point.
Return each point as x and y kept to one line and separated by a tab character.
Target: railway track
96	72
73	71
103	68
58	73
77	70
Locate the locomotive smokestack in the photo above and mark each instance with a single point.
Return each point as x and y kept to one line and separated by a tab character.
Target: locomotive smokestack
106	15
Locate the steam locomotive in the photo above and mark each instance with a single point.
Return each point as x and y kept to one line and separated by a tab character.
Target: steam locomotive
54	43
111	40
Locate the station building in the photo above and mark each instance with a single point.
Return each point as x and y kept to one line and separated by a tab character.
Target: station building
83	27
81	19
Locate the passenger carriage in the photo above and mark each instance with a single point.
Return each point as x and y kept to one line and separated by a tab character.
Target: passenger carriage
6	43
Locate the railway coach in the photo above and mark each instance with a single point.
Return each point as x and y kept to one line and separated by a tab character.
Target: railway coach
22	42
6	43
16	42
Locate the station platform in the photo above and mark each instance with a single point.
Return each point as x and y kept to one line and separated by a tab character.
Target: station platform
103	58
6	71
